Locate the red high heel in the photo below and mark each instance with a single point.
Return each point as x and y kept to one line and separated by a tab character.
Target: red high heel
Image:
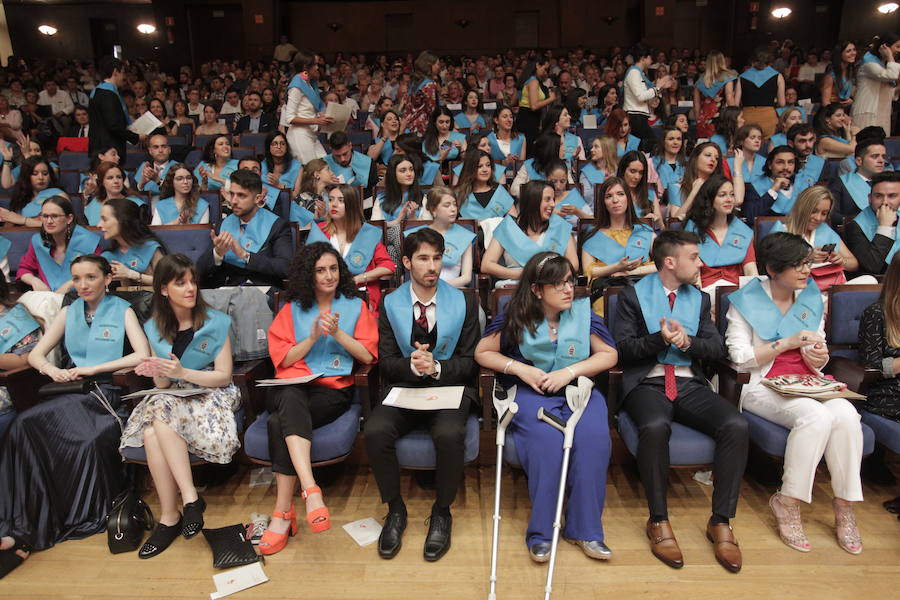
320	519
271	542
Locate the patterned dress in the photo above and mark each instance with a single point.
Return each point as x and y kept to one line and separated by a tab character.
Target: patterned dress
26	344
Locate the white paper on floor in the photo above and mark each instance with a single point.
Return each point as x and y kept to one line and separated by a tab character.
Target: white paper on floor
364	532
236	580
704	477
261	476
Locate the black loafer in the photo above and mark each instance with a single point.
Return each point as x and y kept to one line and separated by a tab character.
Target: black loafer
391	537
437	542
161	538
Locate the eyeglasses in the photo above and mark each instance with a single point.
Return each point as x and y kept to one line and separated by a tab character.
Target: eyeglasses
804	265
560	286
52	217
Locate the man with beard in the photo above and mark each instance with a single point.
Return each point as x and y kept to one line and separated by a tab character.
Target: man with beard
851	190
802	138
779	173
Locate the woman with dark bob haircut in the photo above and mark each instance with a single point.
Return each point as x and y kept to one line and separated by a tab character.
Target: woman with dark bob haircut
776	327
325	328
544	341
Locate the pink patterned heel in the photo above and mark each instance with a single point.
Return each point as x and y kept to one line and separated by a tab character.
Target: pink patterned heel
790	527
846	531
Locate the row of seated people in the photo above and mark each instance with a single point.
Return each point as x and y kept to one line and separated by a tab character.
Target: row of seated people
426	334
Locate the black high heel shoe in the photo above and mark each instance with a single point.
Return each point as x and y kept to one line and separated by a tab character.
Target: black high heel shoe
9	560
193	518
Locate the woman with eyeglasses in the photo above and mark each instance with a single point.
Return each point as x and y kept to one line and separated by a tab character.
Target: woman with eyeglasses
777	327
544	341
46	265
180	202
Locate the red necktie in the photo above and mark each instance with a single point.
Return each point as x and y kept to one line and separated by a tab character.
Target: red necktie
671	387
422	320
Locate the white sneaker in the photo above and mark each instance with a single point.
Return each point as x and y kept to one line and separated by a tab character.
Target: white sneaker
256	527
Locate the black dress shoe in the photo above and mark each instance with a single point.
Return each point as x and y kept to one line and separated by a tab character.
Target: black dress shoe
437	542
391	537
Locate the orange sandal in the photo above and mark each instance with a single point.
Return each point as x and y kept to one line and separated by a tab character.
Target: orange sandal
320	519
271	542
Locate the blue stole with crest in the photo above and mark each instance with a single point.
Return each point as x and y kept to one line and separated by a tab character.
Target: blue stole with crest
355	174
253	236
604	248
812	169
15	325
857	187
521	247
311	92
82	242
667	175
289	177
498	206
168	210
362	248
104	339
757	307
105	85
573	340
204	346
456	241
32	210
136	257
654	303
868	57
451	314
733	248
868	223
515	146
454	151
327	356
153	186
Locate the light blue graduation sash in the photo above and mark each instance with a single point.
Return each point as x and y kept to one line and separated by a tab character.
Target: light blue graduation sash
136	257
857	187
752	176
254	235
604	248
211	184
759	77
868	57
733	249
632	143
387	151
355	174
4	246
463	122
456	241
105	85
522	248
153	186
498	206
783	204
779	139
812	169
868	223
570	143
824	234
104	339
846	88
392	215
719	140
667	175
768	323
289	177
327	356
454	151
82	242
301	214
311	92
711	91
205	345
651	198
422	84
362	248
644	77
515	146
430	170
572	197
168	210
451	314
533	174
272	194
573	340
15	325
593	174
837	138
654	303
32	210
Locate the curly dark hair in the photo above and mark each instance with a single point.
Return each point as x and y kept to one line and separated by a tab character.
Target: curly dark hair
703	211
301	287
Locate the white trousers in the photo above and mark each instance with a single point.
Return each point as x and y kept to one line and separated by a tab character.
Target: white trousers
830	428
305	145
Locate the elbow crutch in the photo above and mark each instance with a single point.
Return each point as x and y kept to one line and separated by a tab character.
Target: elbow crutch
506	407
577	398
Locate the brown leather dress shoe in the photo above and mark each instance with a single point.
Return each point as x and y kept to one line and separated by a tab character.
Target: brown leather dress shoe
663	544
727	551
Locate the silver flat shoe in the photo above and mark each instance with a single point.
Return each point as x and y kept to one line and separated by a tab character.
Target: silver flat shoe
539	552
593	549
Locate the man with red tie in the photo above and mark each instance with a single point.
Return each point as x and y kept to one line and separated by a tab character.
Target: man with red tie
662	329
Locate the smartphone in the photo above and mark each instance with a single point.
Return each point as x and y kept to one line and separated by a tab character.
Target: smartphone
829	248
446	144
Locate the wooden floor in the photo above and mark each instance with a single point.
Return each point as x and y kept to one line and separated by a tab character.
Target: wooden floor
331	566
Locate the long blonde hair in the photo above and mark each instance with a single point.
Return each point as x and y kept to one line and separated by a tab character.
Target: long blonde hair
610	160
716	69
890	302
798	219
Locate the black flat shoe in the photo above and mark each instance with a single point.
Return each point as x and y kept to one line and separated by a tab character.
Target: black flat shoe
161	538
892	506
9	560
391	537
437	542
193	518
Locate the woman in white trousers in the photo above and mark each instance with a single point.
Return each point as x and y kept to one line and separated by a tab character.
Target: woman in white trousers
301	114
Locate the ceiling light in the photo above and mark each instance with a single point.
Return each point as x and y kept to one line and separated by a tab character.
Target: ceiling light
888	7
781	12
146	28
47	29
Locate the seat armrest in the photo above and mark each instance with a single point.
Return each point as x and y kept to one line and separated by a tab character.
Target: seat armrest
614	393
366	380
245	374
486	384
731	381
857	377
23	384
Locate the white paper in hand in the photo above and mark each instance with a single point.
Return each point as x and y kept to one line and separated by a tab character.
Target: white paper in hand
291	381
146	123
364	532
236	580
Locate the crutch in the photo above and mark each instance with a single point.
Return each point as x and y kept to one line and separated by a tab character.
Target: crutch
577	398
506	407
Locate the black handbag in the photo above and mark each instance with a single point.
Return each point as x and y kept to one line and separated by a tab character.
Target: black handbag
127	521
79	386
230	547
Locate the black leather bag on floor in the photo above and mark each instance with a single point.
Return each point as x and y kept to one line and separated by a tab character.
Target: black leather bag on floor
126	523
230	547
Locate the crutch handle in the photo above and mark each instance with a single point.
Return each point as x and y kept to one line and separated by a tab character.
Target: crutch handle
551	419
504	420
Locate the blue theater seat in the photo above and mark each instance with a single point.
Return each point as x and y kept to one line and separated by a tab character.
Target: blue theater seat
886	431
415	450
191	240
686	446
330	442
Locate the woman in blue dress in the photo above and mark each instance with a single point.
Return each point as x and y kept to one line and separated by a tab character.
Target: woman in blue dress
279	167
180	202
36	183
134	249
545	340
216	165
59	467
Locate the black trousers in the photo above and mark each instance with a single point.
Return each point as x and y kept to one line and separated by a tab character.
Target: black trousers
640	128
448	430
297	410
698	407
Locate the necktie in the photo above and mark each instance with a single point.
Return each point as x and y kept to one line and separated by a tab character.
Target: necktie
671	386
422	320
81	133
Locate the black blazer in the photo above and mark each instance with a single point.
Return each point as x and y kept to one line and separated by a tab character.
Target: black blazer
459	369
871	255
638	348
267	123
109	127
267	266
844	206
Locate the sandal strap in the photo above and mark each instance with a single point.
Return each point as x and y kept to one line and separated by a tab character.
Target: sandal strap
311	490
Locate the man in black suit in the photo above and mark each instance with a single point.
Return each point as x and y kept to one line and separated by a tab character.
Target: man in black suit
106	111
253	246
663	381
255	121
427	332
